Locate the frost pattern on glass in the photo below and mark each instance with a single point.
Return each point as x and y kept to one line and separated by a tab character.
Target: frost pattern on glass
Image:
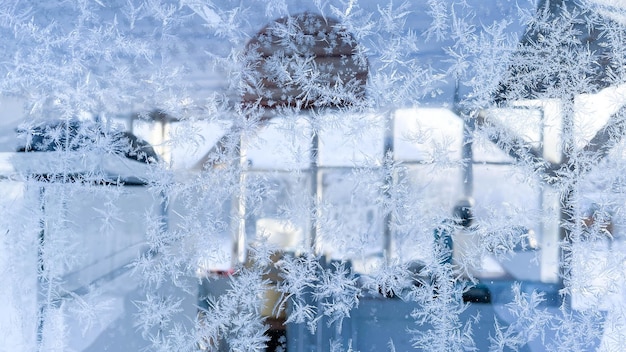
332	175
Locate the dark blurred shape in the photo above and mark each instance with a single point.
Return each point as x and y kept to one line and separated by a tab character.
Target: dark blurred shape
477	294
76	135
462	213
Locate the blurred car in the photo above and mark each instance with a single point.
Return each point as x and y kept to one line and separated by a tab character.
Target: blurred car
77	135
